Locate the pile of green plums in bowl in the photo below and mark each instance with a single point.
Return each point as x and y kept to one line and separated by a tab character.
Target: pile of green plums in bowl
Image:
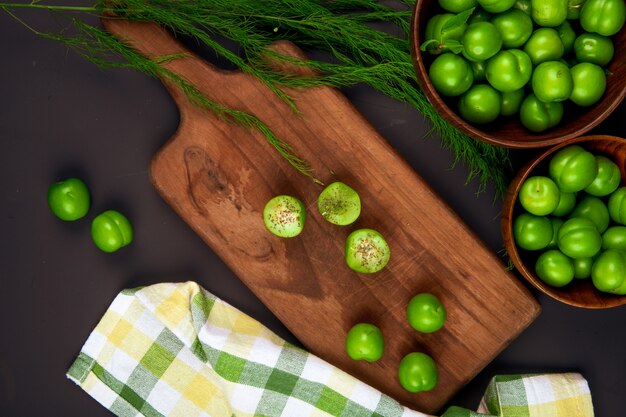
564	222
541	63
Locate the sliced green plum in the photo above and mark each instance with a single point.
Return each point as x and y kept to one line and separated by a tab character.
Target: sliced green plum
367	251
284	216
339	204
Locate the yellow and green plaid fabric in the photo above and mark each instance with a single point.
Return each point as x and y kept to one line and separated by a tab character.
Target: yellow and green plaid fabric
547	395
176	350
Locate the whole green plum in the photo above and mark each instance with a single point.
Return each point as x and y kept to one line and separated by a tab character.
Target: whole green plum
573	168
509	70
552	81
481	41
594	48
539	195
451	75
515	27
617	206
532	232
480	104
607	180
579	238
614	238
554	268
589	84
544	44
111	231
538	116
605	17
549	13
608	272
69	199
594	209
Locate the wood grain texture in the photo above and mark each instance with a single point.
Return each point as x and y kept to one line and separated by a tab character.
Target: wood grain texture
509	131
580	293
218	176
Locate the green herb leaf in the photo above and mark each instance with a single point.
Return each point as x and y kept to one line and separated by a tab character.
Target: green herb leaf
429	44
457	21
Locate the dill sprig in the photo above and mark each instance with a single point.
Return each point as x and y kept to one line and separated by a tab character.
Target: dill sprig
358	53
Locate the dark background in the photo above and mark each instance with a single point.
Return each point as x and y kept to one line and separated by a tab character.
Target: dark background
62	116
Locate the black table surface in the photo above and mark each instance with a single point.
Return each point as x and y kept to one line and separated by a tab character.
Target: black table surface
61	116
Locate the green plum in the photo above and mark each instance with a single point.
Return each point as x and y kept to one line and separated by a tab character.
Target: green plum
481	41
539	195
451	75
594	48
582	267
69	199
608	272
339	204
425	312
579	238
589	84
594	209
549	13
552	81
567	202
554	268
366	251
605	17
544	44
480	104
514	26
479	70
509	70
418	372
614	238
617	206
284	216
538	116
532	232
573	168
607	180
111	231
365	342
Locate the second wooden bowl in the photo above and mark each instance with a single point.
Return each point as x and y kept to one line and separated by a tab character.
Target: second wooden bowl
580	293
509	131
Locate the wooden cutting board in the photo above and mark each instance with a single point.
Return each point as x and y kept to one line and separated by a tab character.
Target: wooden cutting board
218	176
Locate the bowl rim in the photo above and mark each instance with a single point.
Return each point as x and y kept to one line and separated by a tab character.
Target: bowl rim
489	137
508	206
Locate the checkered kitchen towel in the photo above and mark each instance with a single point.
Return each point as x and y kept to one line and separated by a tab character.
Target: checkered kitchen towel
176	350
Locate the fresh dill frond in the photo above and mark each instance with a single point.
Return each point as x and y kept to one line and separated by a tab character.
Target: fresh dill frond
342	28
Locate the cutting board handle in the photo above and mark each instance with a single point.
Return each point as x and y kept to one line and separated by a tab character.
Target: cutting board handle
156	42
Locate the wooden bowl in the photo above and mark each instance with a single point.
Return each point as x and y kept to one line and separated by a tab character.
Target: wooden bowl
509	131
579	293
